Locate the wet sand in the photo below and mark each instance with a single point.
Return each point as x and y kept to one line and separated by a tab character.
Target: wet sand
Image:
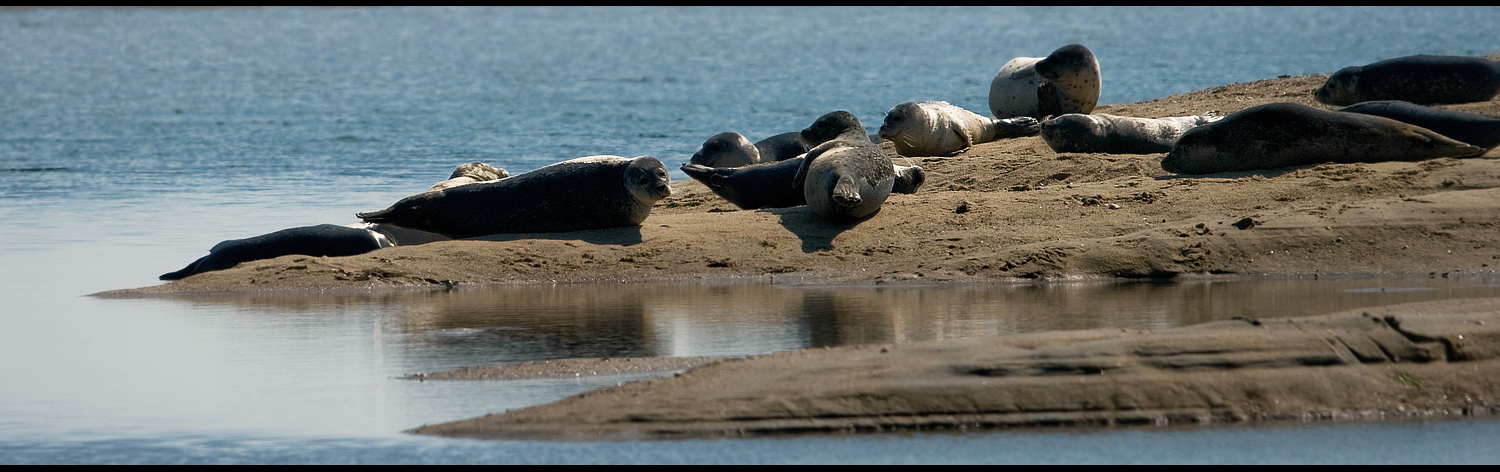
1007	211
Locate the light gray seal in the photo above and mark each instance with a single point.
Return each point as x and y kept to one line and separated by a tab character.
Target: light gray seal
938	128
1066	81
319	240
847	178
1421	79
1472	128
585	193
765	185
472	172
1113	134
1288	134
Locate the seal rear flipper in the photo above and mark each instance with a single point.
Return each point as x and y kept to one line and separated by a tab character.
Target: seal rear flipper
186	271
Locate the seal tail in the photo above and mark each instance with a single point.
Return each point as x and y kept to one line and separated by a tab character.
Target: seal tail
705	174
846	193
182	274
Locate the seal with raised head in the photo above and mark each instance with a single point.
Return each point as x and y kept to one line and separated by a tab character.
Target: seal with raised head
765	185
472	172
319	240
847	178
1113	134
1289	134
585	193
1472	128
730	149
1066	81
1421	79
939	128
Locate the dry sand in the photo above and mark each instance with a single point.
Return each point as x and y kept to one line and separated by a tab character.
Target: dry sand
1015	210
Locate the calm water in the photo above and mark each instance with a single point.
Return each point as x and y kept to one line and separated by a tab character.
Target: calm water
132	140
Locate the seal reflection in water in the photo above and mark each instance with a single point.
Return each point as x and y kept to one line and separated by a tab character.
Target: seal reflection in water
1066	81
847	178
1288	134
585	193
1422	79
939	128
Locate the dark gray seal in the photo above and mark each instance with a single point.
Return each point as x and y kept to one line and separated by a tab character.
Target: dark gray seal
1422	79
1472	128
1066	81
937	128
1288	134
765	185
1113	134
319	240
730	149
847	178
584	193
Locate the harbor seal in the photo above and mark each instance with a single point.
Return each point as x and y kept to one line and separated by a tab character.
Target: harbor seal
1472	128
764	185
1289	134
472	172
1421	79
847	178
1113	134
730	149
578	194
1066	81
939	128
319	240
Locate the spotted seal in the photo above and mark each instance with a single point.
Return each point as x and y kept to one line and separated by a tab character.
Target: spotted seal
584	193
1288	134
765	185
847	178
471	173
1472	128
1066	81
1113	134
318	240
1422	79
938	128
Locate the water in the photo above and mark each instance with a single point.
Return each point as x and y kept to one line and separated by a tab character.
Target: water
131	140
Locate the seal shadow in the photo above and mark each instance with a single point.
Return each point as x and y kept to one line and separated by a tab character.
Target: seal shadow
621	236
816	233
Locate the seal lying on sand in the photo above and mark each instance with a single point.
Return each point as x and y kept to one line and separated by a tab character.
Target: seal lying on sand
1422	79
319	240
1113	134
1288	134
847	178
471	173
1471	128
765	185
1066	81
730	149
940	128
584	193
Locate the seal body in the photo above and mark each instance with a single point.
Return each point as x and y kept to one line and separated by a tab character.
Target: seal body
584	193
1066	81
1472	128
939	128
765	185
847	178
471	173
1288	134
730	149
319	240
1421	79
782	147
1113	134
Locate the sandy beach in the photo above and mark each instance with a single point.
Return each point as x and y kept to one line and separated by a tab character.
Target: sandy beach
1014	210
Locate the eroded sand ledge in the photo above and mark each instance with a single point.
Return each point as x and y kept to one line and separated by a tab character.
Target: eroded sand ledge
1432	359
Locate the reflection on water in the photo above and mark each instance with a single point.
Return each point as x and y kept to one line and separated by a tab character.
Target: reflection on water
507	324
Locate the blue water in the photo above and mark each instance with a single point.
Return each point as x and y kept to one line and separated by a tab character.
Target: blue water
132	140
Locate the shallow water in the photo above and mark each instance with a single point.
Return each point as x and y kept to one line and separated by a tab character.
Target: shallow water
132	140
